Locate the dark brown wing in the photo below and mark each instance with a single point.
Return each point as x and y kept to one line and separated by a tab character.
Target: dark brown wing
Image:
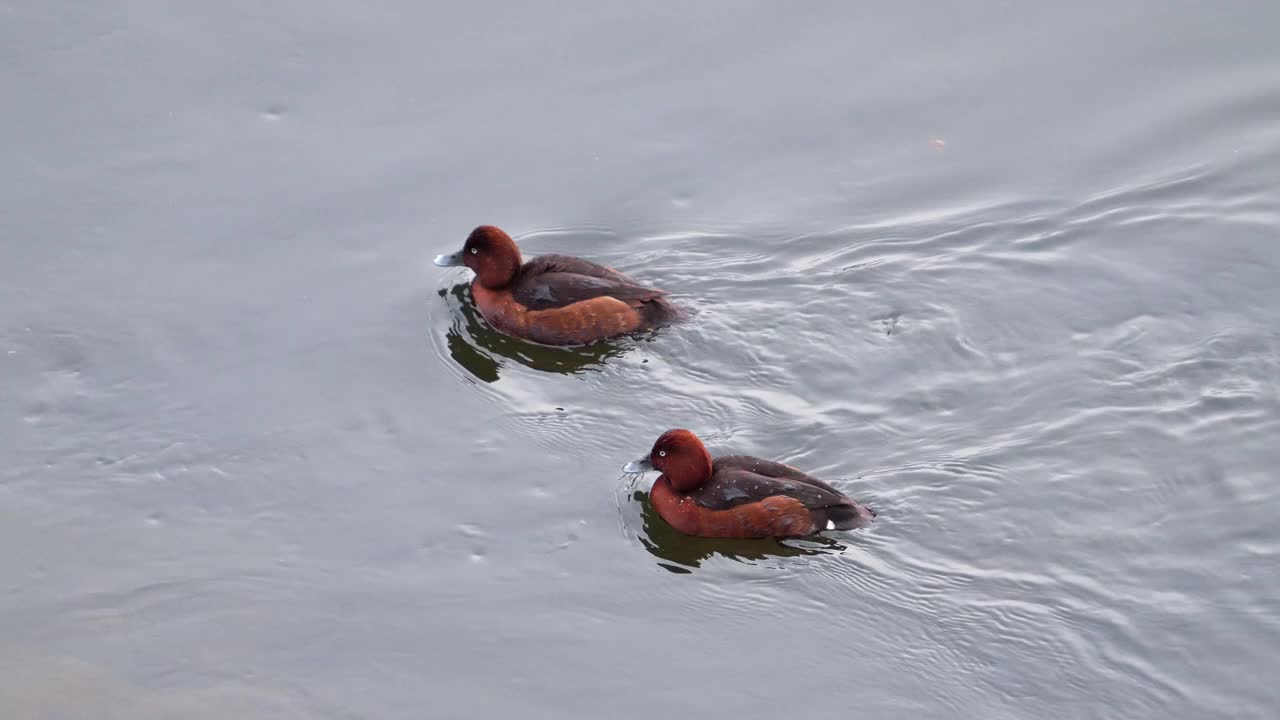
729	488
769	468
550	290
570	264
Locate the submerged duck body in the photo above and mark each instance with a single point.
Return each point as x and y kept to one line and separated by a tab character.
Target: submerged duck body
740	496
555	299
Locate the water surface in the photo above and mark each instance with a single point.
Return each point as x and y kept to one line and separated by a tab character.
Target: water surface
1006	272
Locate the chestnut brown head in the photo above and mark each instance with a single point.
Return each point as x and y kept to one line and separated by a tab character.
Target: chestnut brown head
490	253
681	458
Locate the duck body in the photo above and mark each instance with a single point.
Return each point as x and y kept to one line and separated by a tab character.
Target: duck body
564	300
555	299
741	496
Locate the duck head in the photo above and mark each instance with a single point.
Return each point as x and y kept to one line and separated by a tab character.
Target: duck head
490	253
681	458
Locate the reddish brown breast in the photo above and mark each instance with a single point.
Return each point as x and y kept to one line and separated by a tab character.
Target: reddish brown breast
577	324
777	516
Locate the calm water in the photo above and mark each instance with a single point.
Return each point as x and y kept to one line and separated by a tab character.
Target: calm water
1008	273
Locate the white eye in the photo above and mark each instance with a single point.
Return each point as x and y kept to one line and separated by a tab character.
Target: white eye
662	453
475	250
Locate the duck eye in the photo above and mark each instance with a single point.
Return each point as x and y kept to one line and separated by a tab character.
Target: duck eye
475	251
662	453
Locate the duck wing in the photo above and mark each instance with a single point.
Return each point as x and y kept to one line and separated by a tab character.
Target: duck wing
576	265
770	469
729	488
549	290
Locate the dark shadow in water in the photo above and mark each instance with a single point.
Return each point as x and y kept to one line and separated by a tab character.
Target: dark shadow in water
679	553
474	345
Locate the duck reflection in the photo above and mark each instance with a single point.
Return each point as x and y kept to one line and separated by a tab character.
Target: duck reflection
481	349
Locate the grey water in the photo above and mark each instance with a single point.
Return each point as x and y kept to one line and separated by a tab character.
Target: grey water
1007	272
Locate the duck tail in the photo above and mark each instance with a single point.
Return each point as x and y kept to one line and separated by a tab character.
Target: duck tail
848	517
660	311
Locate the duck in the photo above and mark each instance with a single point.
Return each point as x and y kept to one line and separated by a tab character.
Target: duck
740	496
555	299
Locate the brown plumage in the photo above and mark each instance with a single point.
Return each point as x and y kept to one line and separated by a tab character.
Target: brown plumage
740	496
556	299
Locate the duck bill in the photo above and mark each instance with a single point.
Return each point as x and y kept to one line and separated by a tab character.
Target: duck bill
450	260
642	465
